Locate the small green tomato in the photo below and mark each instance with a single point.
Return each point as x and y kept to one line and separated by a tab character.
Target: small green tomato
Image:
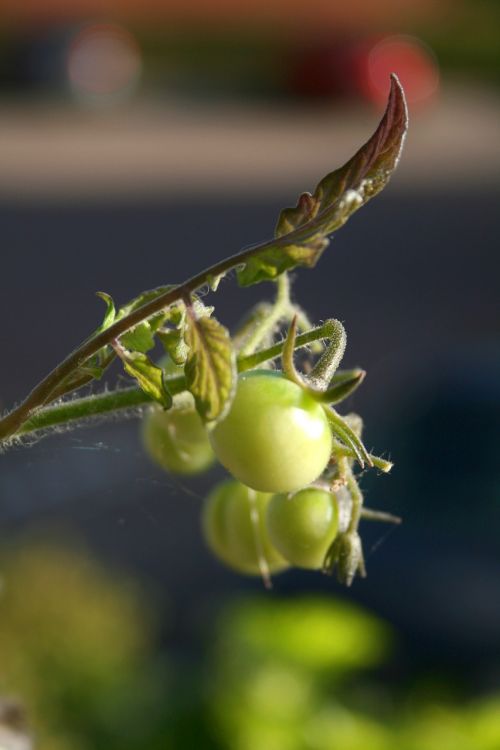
276	437
303	526
177	439
236	536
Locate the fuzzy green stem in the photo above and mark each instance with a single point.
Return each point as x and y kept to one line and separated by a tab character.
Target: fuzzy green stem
287	360
304	324
81	409
357	500
105	404
328	363
253	360
379	463
42	392
266	325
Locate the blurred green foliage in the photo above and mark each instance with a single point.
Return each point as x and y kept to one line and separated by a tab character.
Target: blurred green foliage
287	677
79	646
74	645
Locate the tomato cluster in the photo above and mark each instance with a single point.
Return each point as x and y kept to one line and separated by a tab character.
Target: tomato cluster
275	441
255	532
234	524
275	438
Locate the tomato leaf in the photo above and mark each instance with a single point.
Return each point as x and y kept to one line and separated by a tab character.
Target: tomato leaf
140	338
302	231
110	314
149	377
174	344
210	367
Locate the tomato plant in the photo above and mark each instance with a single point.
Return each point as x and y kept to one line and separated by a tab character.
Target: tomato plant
275	431
234	527
302	526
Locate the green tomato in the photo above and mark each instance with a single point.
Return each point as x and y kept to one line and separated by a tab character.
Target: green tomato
276	437
177	439
236	536
303	526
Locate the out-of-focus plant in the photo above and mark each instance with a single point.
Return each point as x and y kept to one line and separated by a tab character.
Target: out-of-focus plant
74	645
76	650
298	675
280	668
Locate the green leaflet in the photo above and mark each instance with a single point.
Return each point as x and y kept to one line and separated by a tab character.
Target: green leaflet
149	377
211	366
110	314
174	344
140	338
302	231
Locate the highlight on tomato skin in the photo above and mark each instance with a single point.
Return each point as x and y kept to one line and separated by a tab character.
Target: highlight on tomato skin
276	437
176	440
233	523
302	526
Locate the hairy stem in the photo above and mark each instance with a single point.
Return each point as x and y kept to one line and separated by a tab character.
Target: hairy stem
328	363
46	387
279	310
106	404
357	500
379	463
253	360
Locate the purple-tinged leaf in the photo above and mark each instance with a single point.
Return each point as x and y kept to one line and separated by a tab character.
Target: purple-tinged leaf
302	231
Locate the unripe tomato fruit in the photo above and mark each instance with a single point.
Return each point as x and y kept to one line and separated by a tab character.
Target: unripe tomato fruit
276	437
303	526
231	533
176	439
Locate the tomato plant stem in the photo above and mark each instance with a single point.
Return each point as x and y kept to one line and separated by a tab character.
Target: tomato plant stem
42	392
357	500
101	405
279	311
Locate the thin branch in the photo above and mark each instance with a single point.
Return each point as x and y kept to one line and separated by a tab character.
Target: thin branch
43	391
99	405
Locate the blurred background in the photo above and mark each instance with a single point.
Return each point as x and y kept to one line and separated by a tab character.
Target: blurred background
140	142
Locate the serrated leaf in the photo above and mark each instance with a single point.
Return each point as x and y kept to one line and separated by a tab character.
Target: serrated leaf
201	310
174	344
302	231
140	338
110	314
211	366
149	377
172	339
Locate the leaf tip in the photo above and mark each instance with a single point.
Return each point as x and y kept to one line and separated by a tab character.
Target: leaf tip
397	104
